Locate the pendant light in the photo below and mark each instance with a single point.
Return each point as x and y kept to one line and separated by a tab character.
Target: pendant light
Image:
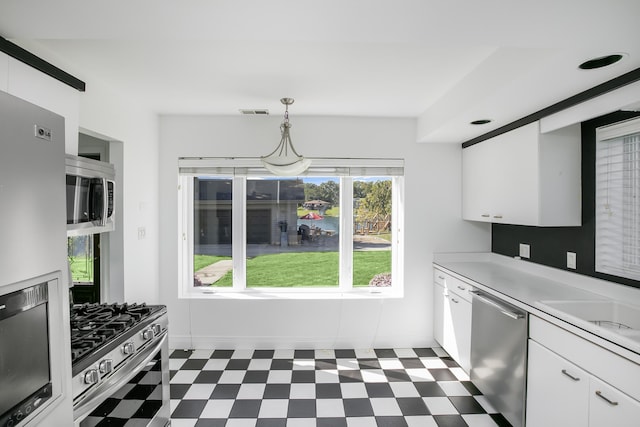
284	160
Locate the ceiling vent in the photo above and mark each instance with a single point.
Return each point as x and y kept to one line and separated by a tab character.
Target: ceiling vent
263	112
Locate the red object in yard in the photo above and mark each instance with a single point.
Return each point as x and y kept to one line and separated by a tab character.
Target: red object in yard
311	215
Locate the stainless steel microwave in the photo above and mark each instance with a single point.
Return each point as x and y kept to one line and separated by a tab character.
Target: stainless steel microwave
90	196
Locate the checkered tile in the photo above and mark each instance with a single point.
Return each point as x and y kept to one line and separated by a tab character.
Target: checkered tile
417	387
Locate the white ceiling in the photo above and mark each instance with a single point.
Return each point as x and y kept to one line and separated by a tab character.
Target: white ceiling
445	62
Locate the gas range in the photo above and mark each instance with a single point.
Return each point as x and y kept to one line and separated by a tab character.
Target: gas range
110	345
97	327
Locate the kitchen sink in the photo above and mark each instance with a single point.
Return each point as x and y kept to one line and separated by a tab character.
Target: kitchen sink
613	320
611	314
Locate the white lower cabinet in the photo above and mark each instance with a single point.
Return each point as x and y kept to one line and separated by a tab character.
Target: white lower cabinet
452	317
563	393
608	406
457	330
557	390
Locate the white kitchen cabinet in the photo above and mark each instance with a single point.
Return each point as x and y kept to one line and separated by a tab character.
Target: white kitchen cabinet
572	382
524	177
608	406
452	317
557	390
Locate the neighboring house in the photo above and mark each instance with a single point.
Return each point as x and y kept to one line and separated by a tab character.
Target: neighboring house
269	202
319	205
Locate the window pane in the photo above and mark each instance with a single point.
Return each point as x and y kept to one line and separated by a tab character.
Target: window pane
81	259
372	231
212	231
292	232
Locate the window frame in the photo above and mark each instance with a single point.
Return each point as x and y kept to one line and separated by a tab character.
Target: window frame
239	170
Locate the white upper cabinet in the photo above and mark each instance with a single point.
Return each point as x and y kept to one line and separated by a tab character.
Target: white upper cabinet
524	177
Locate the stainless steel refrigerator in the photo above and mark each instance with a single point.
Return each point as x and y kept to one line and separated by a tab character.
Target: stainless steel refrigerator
34	313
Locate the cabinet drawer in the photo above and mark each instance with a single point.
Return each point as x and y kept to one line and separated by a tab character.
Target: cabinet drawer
440	277
453	285
460	288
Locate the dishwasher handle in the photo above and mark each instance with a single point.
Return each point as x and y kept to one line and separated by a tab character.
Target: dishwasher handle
503	309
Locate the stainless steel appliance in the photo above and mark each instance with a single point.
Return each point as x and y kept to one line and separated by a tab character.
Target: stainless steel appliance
26	370
35	319
499	354
90	196
120	353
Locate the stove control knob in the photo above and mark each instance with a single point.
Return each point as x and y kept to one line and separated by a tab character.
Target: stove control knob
106	366
91	376
147	334
157	328
128	348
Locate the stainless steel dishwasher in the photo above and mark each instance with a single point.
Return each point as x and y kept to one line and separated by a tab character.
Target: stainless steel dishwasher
499	354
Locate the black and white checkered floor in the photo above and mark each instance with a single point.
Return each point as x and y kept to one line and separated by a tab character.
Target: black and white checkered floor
418	387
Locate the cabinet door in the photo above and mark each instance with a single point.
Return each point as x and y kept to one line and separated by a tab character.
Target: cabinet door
515	170
610	407
461	330
557	390
477	186
438	312
449	342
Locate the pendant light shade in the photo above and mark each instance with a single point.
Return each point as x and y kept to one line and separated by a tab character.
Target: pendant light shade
284	160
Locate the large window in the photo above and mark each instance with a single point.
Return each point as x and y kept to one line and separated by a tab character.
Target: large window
618	199
337	229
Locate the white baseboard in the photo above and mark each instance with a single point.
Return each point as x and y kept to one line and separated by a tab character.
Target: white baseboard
287	343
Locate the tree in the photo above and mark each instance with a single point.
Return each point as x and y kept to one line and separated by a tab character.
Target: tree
361	188
328	191
377	202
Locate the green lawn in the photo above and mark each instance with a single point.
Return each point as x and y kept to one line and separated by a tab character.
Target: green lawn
309	269
81	269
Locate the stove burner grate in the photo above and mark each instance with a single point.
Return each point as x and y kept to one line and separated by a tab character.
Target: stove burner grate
93	325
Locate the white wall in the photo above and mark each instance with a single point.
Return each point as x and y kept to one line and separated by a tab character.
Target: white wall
109	114
432	224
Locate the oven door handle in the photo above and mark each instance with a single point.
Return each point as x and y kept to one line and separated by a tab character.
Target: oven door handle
106	388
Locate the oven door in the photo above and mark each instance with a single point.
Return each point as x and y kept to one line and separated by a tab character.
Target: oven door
30	344
137	389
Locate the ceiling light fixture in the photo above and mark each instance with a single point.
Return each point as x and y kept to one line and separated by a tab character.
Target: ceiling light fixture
284	160
480	122
600	62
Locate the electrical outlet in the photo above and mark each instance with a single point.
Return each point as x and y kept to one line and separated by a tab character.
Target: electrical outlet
571	260
142	233
524	251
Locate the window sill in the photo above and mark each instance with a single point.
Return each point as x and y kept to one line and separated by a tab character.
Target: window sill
287	294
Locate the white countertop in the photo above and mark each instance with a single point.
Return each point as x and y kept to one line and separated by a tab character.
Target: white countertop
525	284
